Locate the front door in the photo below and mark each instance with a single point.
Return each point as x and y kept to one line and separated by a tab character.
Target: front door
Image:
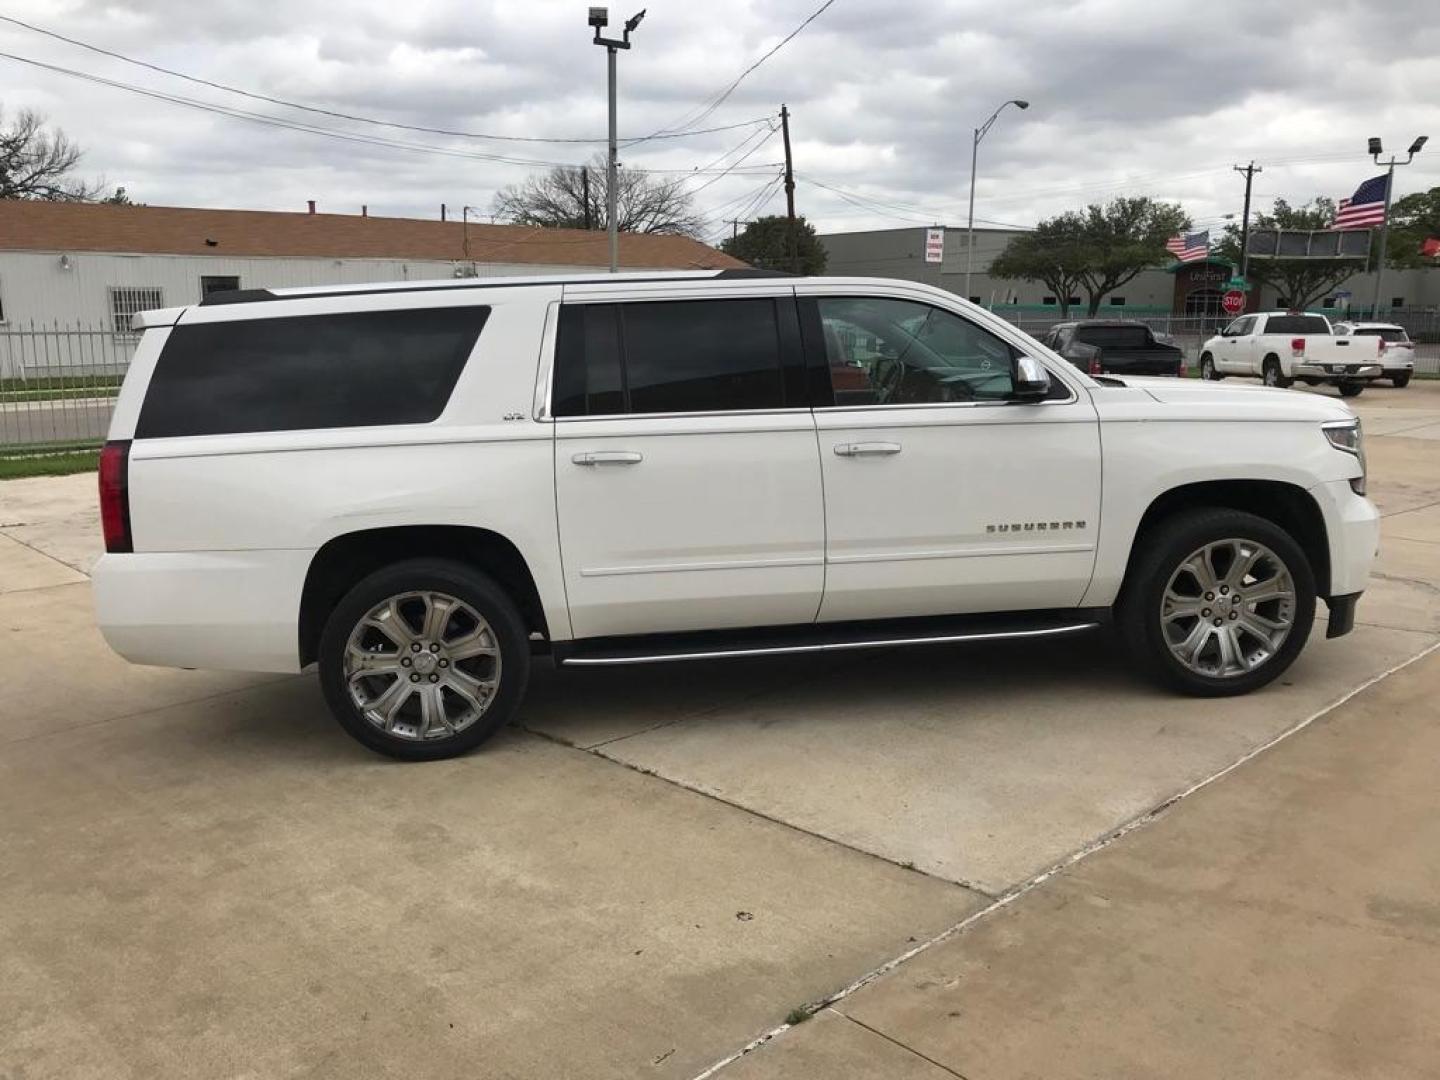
687	476
940	496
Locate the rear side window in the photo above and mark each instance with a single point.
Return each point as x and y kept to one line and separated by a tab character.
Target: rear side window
673	356
309	371
1297	324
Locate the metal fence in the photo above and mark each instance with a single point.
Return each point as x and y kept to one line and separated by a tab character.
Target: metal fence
1191	331
58	384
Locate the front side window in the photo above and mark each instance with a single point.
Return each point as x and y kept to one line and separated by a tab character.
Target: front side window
900	352
1239	328
669	356
308	371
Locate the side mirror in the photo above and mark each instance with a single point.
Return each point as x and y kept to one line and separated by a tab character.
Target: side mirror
1030	382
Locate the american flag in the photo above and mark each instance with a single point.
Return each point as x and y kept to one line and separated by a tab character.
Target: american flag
1366	207
1191	247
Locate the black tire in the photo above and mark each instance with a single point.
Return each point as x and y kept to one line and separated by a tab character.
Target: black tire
1351	389
1208	371
1310	380
1400	381
1161	551
1274	375
453	579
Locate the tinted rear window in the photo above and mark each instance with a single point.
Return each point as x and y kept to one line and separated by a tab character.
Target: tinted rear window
309	371
668	356
1388	335
1297	324
1114	337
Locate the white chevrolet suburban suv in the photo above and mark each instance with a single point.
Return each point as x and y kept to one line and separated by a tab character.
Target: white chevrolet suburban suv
419	486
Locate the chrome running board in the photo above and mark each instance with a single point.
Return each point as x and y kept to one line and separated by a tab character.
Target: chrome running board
661	649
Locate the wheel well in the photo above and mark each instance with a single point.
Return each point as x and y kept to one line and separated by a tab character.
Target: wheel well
343	561
1288	506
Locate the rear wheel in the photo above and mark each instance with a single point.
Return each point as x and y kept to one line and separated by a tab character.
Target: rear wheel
1273	374
424	659
1351	389
1401	380
1207	368
1219	602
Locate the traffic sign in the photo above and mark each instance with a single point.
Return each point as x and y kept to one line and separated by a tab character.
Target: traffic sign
1233	302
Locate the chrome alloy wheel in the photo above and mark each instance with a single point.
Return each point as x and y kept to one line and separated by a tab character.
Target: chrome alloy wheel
422	665
1228	608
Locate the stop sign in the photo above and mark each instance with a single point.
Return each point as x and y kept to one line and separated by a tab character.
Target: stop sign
1233	302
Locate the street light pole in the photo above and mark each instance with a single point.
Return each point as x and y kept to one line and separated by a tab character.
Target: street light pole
600	18
974	159
1375	151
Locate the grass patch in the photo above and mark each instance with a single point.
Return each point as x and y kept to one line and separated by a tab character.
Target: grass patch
798	1015
61	382
65	393
62	464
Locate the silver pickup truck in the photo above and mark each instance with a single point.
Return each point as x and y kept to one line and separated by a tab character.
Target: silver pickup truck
1283	346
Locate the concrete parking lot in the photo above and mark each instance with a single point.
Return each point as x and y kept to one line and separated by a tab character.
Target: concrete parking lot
200	875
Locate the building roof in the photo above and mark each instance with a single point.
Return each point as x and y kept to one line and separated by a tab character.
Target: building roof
175	230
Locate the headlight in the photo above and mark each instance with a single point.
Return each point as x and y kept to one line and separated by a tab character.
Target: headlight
1346	435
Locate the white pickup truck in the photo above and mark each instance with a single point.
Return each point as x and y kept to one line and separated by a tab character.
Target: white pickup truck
1283	346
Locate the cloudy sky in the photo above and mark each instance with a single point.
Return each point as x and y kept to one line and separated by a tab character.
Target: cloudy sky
1155	97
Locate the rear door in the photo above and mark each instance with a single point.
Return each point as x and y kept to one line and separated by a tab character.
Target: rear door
687	475
941	497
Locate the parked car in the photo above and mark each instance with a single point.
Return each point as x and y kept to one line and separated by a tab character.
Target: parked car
1282	346
418	487
1115	347
1397	351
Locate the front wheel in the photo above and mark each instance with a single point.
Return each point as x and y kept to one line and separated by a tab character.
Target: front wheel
1401	381
424	659
1218	602
1207	368
1351	389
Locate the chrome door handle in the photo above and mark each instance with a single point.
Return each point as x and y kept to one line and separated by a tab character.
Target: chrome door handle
608	457
866	449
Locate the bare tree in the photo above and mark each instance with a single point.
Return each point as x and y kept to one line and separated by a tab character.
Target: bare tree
565	198
36	162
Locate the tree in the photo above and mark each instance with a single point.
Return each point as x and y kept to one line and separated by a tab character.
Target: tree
1413	220
1053	253
1300	282
36	163
766	243
557	200
119	198
1122	238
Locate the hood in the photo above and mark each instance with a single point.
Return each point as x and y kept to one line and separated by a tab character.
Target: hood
1237	400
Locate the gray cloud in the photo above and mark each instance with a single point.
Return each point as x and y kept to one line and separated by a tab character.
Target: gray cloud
1156	97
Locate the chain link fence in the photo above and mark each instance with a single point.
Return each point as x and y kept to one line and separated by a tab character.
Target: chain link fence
58	384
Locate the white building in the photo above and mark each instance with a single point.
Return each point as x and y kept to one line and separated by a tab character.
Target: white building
93	265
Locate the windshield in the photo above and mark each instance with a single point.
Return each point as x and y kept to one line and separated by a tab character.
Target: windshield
1114	337
1297	324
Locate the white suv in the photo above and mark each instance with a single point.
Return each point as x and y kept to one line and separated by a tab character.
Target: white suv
419	486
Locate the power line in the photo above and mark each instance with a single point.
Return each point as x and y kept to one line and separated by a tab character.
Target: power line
735	164
254	95
720	98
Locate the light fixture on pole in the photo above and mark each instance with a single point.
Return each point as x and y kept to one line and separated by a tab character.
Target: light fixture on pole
1375	149
974	157
599	19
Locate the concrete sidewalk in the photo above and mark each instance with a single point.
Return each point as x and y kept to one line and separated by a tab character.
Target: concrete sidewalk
1283	923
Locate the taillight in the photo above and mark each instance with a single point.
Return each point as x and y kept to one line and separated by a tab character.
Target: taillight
115	496
1095	368
1297	346
1383	345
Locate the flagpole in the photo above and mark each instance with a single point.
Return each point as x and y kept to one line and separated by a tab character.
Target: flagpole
1384	235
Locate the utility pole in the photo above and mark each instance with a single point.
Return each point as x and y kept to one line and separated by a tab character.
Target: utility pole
734	224
789	193
599	18
585	194
1249	171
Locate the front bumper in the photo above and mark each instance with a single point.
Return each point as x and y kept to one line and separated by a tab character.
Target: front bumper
1347	371
1352	527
